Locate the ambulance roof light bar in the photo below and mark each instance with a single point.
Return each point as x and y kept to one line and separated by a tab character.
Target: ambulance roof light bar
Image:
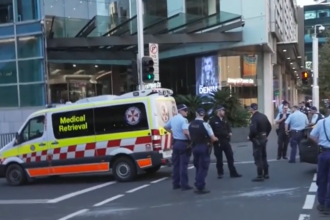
96	99
147	92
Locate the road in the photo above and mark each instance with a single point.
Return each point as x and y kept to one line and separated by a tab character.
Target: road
288	194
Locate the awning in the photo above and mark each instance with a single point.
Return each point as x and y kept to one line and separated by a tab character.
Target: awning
289	51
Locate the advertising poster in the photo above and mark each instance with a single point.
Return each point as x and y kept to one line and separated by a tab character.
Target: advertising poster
207	77
250	65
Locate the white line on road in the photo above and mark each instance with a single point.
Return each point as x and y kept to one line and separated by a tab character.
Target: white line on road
137	188
23	201
157	181
74	214
304	217
108	200
315	176
313	187
309	202
77	193
191	167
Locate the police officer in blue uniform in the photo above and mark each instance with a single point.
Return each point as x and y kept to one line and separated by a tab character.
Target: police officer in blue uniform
282	136
321	135
297	121
178	125
201	135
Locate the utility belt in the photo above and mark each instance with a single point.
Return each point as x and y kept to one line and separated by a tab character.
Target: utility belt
323	149
184	141
261	136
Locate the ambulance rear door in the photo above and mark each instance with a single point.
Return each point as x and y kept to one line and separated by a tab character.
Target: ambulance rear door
165	110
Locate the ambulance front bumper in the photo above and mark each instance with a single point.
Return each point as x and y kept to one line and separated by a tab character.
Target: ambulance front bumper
2	171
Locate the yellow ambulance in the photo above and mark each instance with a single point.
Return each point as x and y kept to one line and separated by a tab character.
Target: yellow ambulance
122	134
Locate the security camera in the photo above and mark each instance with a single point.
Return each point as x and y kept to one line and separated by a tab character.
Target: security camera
243	23
42	21
321	28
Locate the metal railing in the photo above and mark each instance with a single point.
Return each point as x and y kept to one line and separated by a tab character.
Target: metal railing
6	138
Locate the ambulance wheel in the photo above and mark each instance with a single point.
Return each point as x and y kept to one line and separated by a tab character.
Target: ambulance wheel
152	170
124	169
15	175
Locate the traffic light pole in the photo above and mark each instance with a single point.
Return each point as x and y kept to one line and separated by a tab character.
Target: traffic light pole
316	92
140	43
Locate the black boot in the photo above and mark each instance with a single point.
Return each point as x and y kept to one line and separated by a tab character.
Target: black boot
260	177
266	174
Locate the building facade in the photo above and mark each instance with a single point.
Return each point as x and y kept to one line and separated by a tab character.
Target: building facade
259	63
22	84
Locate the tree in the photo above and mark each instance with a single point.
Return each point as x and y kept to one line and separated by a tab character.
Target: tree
324	68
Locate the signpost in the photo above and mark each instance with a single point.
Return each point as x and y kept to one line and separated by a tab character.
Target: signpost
153	53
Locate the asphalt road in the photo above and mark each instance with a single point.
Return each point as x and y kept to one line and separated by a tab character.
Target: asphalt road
284	196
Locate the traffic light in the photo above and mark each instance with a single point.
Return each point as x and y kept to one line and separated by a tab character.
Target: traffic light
147	65
304	77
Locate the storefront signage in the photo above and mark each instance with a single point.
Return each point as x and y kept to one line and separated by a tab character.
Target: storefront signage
152	85
207	89
240	81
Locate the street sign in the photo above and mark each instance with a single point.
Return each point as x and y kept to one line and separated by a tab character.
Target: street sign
153	53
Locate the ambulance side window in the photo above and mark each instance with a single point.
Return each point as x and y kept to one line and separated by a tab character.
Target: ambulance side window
121	118
33	129
71	124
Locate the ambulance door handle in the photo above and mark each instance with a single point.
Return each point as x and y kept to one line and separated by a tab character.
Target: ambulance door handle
42	144
55	142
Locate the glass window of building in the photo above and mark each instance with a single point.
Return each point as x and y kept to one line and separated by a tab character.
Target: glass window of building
28	47
323	13
202	7
6	11
155	7
11	94
310	15
30	70
7	48
26	10
8	73
32	95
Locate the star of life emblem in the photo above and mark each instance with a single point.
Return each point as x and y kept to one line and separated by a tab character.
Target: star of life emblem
133	115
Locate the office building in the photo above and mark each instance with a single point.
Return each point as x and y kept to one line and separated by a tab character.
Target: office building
250	47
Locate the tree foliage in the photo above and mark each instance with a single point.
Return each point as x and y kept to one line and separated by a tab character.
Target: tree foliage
324	68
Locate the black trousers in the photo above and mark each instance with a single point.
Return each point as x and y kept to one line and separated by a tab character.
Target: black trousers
223	145
283	142
260	154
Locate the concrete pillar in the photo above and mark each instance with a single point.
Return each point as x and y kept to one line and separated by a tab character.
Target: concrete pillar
266	104
286	86
212	6
280	83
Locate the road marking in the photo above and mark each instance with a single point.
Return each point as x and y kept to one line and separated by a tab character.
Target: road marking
23	201
314	178
70	195
313	187
74	214
108	200
157	181
309	202
304	217
137	188
191	167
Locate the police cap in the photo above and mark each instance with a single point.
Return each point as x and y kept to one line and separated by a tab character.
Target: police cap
254	106
200	111
220	107
182	107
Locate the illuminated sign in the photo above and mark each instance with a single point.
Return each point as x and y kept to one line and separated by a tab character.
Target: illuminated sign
240	81
207	89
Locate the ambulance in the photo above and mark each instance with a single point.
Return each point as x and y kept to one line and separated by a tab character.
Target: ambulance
123	135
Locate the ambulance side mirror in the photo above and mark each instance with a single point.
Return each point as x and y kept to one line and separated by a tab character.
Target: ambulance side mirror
17	138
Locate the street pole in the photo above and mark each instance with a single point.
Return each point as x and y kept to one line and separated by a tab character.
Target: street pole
140	43
315	69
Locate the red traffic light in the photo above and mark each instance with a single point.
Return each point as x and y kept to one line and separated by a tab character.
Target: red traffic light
305	75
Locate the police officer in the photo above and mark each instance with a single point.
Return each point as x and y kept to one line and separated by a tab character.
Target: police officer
222	131
316	116
321	135
178	125
297	121
201	135
260	128
282	136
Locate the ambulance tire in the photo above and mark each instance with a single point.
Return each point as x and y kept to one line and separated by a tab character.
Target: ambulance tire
15	175
124	169
152	170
